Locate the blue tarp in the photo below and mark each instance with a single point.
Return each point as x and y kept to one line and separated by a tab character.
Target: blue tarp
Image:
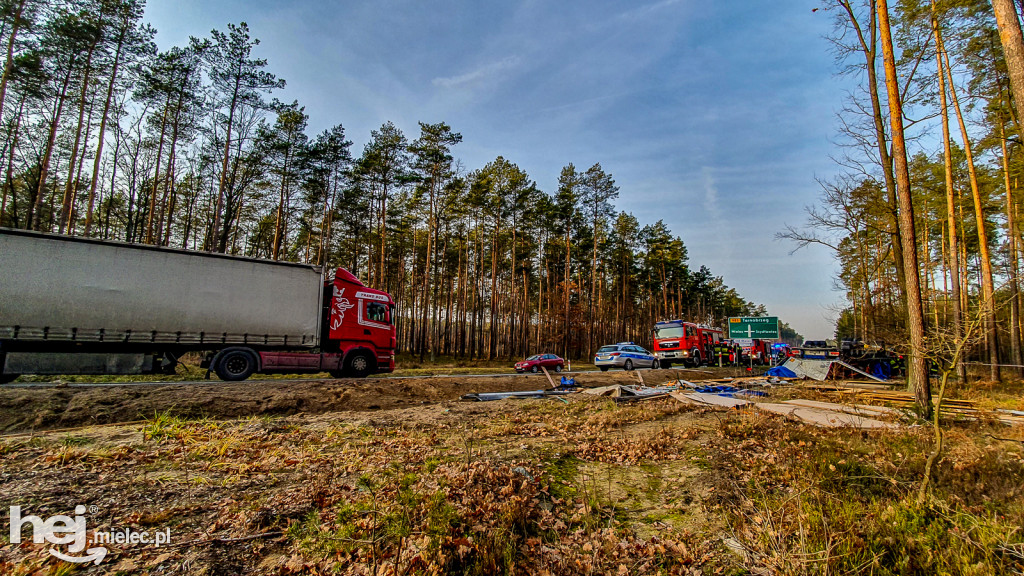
780	372
728	391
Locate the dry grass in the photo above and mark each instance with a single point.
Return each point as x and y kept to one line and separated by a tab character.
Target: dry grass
528	487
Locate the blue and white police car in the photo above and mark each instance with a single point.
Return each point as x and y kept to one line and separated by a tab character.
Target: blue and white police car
625	355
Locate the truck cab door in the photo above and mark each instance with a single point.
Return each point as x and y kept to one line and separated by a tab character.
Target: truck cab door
374	319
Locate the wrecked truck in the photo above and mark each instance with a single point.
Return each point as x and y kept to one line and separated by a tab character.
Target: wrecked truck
73	305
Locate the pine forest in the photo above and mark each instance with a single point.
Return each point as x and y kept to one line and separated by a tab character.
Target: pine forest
107	137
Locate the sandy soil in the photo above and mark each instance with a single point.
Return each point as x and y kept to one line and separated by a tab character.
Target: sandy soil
266	495
54	407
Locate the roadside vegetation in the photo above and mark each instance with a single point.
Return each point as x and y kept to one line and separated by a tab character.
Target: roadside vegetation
539	487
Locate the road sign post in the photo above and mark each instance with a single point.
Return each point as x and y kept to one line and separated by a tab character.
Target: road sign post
763	328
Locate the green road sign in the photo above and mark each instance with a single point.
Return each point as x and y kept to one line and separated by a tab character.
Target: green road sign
765	328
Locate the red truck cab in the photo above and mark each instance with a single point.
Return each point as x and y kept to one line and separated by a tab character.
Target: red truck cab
687	343
360	319
357	334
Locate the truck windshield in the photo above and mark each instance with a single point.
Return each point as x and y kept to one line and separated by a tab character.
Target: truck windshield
669	332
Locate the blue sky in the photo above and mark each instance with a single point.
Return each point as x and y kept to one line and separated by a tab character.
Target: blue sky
713	116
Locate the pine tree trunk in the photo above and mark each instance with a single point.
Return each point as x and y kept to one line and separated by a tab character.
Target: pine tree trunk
1015	350
156	176
279	224
72	213
492	335
103	127
9	62
915	312
35	216
219	206
71	186
9	179
987	284
1013	49
870	50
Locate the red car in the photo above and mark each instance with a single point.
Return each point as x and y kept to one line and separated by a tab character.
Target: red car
533	363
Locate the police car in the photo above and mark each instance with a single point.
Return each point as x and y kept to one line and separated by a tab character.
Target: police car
625	355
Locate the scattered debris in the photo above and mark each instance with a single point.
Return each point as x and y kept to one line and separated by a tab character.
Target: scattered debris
612	390
489	396
548	374
728	391
715	400
822	417
634	393
815	369
855	409
951	407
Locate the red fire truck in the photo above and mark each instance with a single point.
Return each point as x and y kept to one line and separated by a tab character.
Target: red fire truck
687	343
755	350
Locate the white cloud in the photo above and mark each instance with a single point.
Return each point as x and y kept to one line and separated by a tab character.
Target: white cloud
482	73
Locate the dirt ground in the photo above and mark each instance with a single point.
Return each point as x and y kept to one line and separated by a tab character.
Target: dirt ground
25	409
389	477
364	477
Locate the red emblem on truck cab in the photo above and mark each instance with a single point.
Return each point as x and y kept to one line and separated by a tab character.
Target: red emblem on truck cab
341	304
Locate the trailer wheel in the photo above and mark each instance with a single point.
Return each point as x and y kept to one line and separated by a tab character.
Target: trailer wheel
236	364
359	364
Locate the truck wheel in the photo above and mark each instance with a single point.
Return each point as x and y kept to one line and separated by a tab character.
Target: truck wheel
359	365
236	364
628	365
665	364
696	358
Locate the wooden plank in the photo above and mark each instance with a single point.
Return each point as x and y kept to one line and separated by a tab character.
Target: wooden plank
883	409
824	418
550	379
856	410
614	390
682	398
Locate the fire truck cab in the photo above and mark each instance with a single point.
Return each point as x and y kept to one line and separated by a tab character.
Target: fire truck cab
687	343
